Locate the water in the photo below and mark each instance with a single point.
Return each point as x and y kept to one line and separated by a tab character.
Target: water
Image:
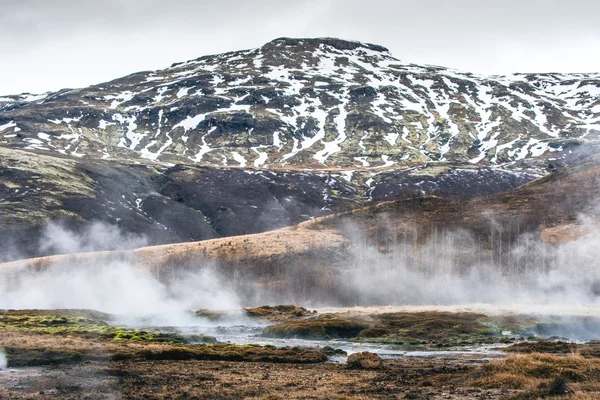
582	321
250	331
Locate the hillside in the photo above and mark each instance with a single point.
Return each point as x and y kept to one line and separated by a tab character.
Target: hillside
510	233
170	204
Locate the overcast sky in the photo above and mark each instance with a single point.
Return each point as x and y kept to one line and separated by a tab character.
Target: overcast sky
53	44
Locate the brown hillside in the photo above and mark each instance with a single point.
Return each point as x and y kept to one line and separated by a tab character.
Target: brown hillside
304	260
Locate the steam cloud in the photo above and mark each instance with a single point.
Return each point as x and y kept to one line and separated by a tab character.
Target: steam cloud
56	239
112	284
450	268
453	269
3	361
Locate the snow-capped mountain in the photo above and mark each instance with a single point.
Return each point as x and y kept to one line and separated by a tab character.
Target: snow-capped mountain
319	125
313	103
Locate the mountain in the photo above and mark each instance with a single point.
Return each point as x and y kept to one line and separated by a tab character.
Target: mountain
313	103
255	140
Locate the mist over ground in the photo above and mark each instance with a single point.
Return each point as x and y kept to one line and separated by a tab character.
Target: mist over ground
451	267
111	283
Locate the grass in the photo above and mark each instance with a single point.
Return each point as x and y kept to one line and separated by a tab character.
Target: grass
277	313
539	375
436	329
61	353
318	328
542	346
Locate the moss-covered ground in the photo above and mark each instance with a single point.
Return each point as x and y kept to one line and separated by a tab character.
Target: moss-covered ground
38	337
87	324
432	329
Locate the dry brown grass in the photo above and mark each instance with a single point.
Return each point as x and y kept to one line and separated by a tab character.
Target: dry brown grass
566	233
297	239
282	241
539	375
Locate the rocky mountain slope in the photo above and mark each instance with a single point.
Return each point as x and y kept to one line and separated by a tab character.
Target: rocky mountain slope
313	103
506	235
255	140
188	202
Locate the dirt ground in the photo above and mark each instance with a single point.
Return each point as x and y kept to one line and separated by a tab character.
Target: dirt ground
405	378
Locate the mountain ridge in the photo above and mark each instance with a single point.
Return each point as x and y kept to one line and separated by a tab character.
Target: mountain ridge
313	103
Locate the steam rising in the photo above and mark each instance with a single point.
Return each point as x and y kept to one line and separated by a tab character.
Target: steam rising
3	361
453	269
114	284
56	239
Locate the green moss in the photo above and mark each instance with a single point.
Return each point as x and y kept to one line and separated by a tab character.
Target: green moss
425	328
69	325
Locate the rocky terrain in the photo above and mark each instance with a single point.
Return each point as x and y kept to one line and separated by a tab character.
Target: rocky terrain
319	172
255	140
71	354
184	202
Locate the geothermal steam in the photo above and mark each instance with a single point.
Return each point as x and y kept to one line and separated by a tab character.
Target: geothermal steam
113	284
3	361
450	268
453	269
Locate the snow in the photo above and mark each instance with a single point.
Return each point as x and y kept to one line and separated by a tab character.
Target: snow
151	78
538	148
146	153
262	156
386	160
347	175
363	161
205	148
11	124
130	124
119	99
66	120
183	92
340	122
417	103
534	147
239	158
102	124
391	138
277	140
191	122
26	97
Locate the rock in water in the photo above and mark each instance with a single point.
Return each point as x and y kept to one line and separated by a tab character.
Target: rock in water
364	360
